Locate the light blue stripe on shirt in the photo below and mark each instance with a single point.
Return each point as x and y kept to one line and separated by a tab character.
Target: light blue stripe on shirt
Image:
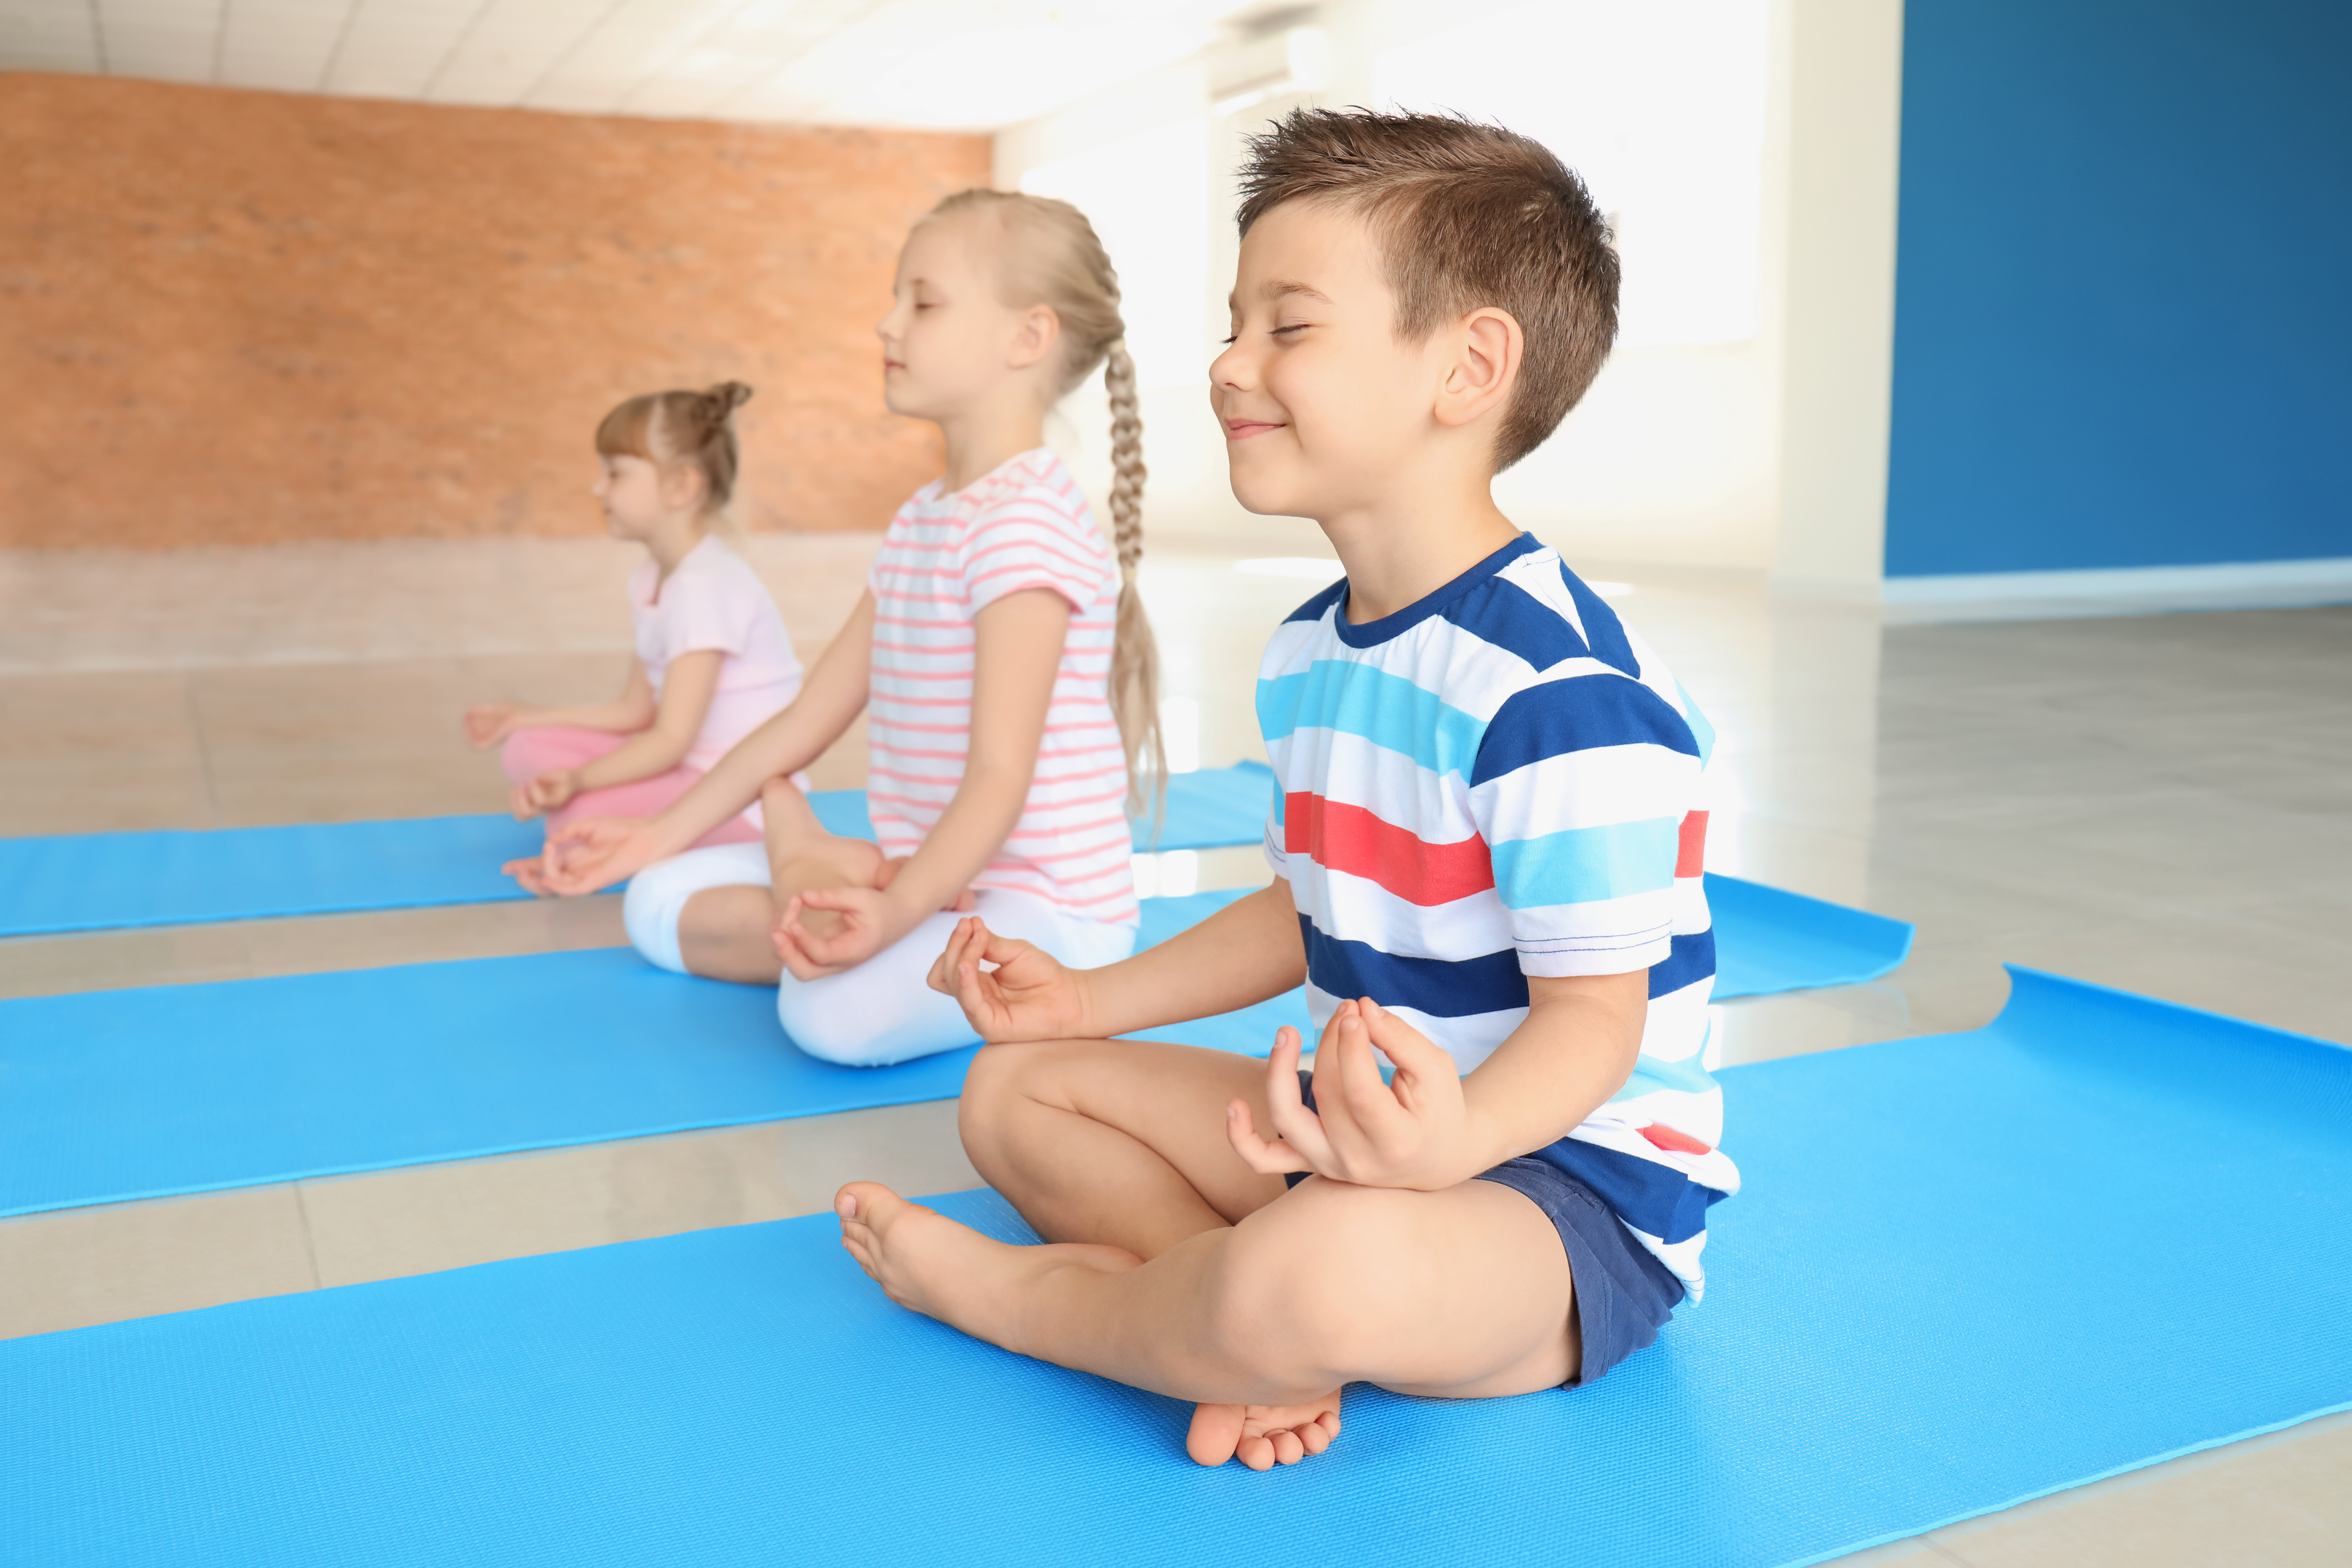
1372	705
1701	731
1583	866
1683	1077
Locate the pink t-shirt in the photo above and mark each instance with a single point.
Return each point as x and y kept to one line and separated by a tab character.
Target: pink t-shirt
714	601
945	558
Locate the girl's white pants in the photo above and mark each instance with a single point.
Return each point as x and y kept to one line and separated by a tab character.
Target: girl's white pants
883	1010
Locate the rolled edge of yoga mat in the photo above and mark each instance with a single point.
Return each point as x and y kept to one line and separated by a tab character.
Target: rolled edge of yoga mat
1769	940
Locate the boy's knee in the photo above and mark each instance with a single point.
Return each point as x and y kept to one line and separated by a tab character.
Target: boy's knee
1000	1077
1306	1281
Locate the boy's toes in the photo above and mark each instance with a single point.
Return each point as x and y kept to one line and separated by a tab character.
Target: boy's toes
871	1204
1216	1432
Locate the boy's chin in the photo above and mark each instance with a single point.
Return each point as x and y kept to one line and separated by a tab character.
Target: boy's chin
1263	498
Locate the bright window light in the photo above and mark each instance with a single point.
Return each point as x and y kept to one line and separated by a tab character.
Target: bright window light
1172	873
1307	568
1148	198
1659	107
1180	734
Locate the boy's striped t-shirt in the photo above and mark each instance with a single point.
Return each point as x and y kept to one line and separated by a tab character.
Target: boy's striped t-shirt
945	558
1501	781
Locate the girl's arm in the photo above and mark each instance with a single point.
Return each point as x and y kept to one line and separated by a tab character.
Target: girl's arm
598	852
633	710
656	747
1016	654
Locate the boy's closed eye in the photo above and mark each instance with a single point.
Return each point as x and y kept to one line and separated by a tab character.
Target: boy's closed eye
1232	338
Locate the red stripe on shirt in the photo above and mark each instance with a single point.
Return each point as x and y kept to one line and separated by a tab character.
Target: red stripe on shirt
1690	850
1353	839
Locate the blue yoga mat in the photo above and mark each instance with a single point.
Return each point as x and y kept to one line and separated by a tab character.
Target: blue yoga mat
1769	940
112	1095
97	881
1965	1271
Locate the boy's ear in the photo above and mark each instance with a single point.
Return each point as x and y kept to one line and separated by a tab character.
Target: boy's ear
1038	330
1482	367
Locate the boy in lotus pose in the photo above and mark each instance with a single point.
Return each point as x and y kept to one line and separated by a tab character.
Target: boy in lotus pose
1486	855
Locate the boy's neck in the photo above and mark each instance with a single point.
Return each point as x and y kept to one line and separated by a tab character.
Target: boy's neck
1394	558
980	442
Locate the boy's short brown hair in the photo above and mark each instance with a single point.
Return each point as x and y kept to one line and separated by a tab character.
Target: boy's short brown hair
1469	215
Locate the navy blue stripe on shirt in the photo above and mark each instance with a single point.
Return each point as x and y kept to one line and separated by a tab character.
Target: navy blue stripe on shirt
1646	1195
1314	608
1372	633
1442	987
1508	617
1577	715
1602	629
1691	961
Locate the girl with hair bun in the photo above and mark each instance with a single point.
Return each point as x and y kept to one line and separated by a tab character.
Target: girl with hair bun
1000	656
713	662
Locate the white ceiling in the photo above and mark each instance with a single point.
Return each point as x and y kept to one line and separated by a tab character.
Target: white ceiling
975	64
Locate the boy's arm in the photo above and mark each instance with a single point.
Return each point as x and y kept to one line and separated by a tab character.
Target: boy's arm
1243	953
1428	1127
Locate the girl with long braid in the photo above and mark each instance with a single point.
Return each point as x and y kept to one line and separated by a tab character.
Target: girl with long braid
1000	653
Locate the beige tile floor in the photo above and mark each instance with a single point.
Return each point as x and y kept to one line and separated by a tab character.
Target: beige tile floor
2162	803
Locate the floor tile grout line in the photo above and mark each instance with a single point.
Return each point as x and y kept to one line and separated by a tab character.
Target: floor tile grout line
1940	1550
204	751
309	1242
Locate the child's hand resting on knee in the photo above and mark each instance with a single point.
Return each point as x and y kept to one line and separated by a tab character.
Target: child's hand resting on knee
544	792
584	857
1412	1132
852	923
1030	995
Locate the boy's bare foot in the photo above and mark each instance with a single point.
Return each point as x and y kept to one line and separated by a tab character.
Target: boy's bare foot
1263	1436
926	1262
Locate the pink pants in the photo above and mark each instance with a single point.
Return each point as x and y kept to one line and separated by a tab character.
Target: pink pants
531	751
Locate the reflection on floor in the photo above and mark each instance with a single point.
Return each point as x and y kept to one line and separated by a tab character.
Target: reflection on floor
2156	803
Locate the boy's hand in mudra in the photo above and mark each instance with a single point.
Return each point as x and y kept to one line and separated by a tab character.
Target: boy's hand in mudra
1414	1131
1029	995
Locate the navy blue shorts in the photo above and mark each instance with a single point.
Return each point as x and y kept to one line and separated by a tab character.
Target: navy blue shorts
1623	1294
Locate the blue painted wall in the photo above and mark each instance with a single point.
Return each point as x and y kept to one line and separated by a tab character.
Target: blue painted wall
2123	325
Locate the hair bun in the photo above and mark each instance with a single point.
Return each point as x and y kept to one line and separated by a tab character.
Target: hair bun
727	397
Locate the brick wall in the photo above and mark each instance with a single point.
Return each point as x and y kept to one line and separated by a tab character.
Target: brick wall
248	317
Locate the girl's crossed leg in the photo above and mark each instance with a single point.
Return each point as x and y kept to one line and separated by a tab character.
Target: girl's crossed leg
712	912
1172	1266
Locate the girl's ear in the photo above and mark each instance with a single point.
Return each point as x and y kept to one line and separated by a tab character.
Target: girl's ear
683	488
1038	330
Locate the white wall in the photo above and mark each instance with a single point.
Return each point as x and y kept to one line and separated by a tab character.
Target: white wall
1680	118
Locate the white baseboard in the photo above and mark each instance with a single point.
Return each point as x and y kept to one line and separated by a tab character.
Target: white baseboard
2133	590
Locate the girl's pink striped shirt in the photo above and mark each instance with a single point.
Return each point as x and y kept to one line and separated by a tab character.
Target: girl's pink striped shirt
945	558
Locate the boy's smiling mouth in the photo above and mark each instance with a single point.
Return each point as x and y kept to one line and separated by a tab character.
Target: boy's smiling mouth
1242	429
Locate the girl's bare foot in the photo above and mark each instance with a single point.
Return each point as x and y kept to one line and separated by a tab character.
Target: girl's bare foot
825	862
927	1262
1263	1436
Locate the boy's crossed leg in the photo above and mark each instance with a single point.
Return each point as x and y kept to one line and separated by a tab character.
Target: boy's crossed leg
1173	1266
